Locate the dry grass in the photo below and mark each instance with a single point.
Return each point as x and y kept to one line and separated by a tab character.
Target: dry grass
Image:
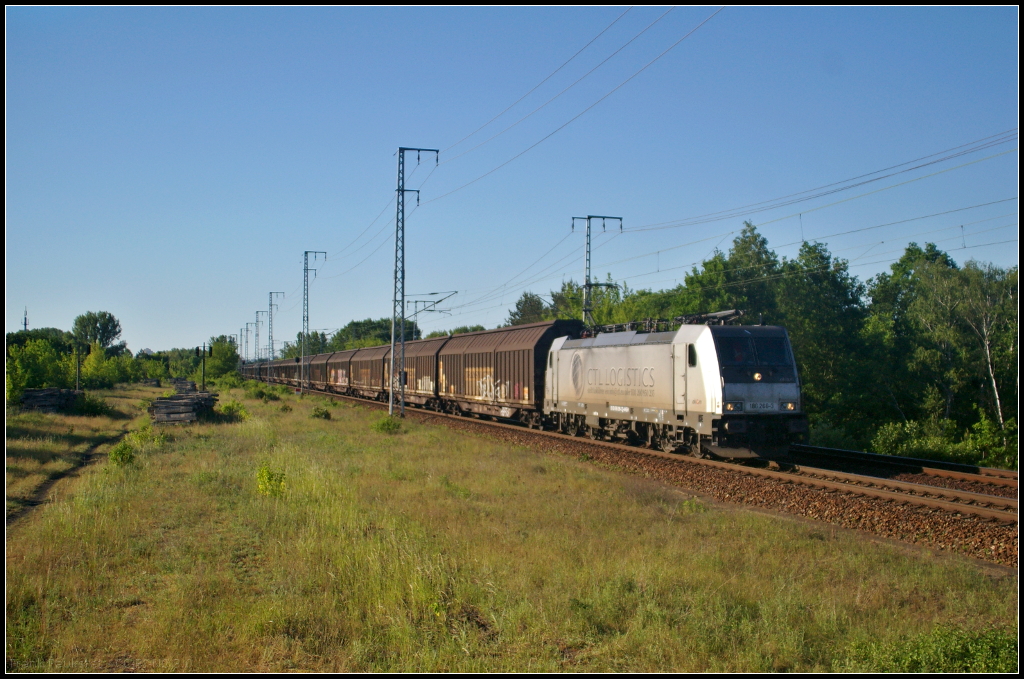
431	550
41	446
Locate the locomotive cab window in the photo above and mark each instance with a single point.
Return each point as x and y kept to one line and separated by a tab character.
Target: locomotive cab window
735	351
762	358
771	351
691	355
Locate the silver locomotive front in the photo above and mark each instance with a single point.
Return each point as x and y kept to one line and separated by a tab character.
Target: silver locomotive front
729	391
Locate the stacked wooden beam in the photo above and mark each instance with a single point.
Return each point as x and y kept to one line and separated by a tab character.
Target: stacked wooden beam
182	385
182	407
48	400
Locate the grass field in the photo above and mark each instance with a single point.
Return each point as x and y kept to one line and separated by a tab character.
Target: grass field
291	542
41	447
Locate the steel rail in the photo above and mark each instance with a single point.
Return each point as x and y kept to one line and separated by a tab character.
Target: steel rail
933	467
785	477
951	494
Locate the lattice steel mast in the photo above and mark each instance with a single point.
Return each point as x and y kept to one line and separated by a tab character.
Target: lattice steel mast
303	373
588	317
397	380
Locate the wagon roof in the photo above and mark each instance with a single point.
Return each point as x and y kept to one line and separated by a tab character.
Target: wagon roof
425	347
341	356
319	358
371	353
501	339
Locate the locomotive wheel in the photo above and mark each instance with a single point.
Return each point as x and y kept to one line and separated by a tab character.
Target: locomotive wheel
594	433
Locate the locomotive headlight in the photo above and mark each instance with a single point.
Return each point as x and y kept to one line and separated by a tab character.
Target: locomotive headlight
788	405
733	406
757	377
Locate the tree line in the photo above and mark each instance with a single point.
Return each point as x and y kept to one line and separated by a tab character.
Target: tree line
91	355
919	360
360	334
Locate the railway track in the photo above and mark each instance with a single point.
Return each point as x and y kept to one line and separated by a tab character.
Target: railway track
956	501
936	468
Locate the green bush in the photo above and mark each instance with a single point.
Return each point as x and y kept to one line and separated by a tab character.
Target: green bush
269	481
983	444
262	392
944	649
285	408
233	411
87	404
827	436
231	380
122	454
387	425
321	413
37	365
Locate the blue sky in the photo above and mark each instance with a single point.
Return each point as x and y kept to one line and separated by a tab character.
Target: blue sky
171	165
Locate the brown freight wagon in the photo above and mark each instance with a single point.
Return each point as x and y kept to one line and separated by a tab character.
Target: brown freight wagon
339	370
318	371
366	371
420	369
499	372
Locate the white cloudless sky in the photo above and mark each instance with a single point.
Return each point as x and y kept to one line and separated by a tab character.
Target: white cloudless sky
171	165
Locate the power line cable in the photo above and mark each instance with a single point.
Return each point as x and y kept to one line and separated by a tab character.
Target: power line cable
574	84
578	115
534	89
820	191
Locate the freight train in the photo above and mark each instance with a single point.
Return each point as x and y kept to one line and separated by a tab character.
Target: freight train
707	389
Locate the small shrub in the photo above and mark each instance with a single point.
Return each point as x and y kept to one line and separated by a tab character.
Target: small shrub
827	436
144	437
269	481
285	408
228	381
261	392
944	649
387	425
91	406
320	412
233	411
122	454
692	506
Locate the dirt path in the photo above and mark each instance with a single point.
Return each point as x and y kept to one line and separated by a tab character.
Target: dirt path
42	494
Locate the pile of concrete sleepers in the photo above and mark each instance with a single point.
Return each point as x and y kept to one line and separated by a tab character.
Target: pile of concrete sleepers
49	400
182	407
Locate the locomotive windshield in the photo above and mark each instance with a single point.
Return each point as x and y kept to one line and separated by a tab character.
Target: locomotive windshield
735	351
772	351
754	355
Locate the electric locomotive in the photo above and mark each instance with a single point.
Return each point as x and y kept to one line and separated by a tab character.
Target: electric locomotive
729	391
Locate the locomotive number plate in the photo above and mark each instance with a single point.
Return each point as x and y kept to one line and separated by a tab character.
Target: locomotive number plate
760	407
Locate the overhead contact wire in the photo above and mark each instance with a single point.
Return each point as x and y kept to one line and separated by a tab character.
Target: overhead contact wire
581	113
